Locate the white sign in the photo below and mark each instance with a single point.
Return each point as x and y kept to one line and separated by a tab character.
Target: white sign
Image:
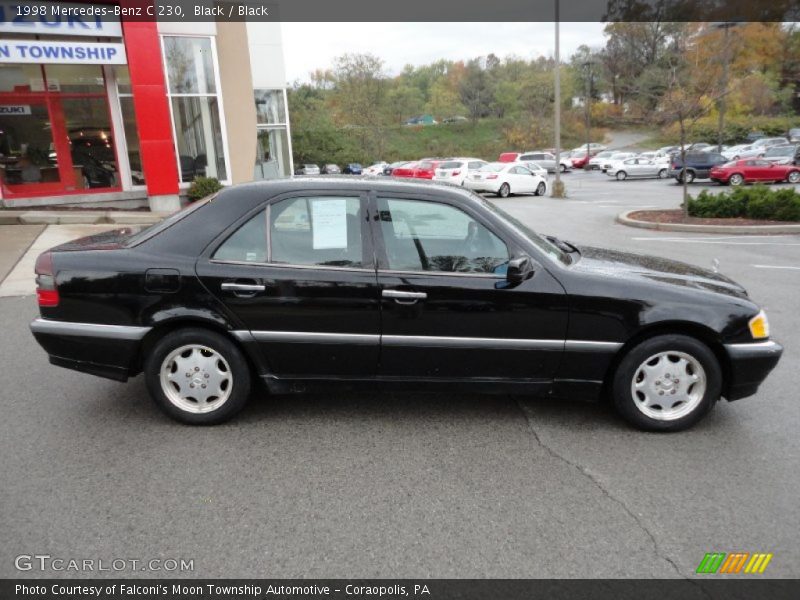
59	18
9	110
329	222
62	53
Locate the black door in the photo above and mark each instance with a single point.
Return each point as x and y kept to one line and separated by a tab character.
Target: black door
447	310
299	275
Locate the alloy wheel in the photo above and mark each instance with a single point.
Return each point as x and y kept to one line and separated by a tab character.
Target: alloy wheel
668	385
196	378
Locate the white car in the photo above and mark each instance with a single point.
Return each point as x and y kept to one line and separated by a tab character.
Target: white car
732	153
597	161
534	167
375	169
456	170
594	148
637	167
655	157
546	160
614	158
505	179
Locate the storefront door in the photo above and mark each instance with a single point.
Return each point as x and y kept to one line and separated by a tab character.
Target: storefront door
58	140
31	131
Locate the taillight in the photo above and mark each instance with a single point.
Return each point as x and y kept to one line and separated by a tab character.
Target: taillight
454	173
491	177
46	289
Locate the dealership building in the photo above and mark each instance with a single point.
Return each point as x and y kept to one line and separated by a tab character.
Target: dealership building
101	110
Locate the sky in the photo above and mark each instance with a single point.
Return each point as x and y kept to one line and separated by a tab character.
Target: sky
310	46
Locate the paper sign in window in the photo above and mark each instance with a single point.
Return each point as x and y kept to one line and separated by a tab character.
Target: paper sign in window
329	223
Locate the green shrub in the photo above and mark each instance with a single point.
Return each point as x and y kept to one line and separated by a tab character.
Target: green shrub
202	187
756	202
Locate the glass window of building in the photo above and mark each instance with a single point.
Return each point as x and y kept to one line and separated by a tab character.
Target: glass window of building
128	113
192	89
273	158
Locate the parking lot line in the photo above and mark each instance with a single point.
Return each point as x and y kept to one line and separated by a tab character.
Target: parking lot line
717	242
775	267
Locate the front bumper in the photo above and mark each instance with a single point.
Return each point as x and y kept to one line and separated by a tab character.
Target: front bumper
750	365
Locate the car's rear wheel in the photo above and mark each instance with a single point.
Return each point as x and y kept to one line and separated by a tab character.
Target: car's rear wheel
541	189
667	383
197	376
663	173
736	179
562	168
793	177
504	191
688	176
621	175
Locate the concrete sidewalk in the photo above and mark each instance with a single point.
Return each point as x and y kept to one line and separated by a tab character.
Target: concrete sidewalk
79	217
20	251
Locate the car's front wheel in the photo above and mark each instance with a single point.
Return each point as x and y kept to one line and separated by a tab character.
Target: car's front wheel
667	383
504	191
541	189
793	177
197	376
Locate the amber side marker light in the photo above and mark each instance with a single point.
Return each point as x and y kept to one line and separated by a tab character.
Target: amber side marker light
759	326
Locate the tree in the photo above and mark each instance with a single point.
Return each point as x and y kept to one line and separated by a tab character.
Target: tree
474	90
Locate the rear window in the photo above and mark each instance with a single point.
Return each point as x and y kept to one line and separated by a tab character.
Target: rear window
451	165
154	230
492	168
425	165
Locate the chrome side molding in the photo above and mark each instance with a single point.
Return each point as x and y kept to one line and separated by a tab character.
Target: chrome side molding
117	332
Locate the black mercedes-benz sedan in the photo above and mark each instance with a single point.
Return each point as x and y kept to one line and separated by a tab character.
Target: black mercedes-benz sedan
353	282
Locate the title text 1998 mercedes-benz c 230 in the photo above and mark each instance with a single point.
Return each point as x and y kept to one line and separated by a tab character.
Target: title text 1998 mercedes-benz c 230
311	282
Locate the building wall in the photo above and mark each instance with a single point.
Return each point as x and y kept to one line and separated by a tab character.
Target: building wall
266	55
237	91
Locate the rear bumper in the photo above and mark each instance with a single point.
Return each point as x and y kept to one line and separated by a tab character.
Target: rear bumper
750	365
104	350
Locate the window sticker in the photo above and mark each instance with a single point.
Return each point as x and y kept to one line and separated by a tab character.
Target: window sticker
329	223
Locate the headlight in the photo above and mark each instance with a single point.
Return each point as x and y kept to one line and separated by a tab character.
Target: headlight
759	326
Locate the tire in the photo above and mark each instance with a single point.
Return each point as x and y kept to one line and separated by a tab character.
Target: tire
541	189
562	168
663	174
640	389
689	176
621	175
204	358
504	191
793	177
736	179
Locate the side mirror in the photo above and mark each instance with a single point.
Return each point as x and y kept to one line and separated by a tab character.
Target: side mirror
519	269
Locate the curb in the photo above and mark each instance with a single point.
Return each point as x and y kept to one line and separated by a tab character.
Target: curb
42	217
624	219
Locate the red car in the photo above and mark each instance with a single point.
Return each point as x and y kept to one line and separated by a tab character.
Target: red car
751	170
578	162
406	170
507	157
426	169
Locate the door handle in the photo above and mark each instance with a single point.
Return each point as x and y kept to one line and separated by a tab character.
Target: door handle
242	289
404	297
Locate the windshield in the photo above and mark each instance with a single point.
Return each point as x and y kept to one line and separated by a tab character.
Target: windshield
544	245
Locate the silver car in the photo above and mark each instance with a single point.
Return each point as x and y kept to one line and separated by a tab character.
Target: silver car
637	167
546	160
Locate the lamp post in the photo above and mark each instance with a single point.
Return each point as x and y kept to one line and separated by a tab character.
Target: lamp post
721	103
558	186
588	106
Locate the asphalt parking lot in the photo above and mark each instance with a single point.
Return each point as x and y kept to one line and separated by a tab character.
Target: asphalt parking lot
415	485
